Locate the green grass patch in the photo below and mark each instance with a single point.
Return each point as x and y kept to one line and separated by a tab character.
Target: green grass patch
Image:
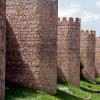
87	88
98	79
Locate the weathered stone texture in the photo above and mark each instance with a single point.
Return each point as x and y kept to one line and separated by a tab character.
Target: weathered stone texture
97	56
87	52
2	49
68	50
31	43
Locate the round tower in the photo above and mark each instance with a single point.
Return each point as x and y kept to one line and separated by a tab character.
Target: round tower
31	43
68	50
2	48
97	57
87	52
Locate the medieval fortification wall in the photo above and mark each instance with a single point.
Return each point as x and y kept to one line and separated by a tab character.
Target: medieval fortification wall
68	50
97	57
87	52
31	43
36	55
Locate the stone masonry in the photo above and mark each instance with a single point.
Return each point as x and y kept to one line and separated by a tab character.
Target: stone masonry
2	48
87	52
68	50
31	43
97	57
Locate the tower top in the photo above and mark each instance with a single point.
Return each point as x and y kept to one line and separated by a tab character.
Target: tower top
91	32
69	21
27	2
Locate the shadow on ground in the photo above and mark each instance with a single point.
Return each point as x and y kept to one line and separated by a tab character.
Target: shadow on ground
88	90
89	87
65	96
86	80
15	91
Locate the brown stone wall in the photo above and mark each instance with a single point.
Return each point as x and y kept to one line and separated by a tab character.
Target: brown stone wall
31	43
97	55
2	48
68	50
87	49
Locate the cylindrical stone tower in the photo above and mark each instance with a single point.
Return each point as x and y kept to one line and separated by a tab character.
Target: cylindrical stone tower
97	56
87	52
31	43
68	50
2	47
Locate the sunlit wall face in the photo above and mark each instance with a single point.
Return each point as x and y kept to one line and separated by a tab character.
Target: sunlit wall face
87	10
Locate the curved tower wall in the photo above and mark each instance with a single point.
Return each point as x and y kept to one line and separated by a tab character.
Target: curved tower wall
97	56
31	43
87	48
2	48
68	50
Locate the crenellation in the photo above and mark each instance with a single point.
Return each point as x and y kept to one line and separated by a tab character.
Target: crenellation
72	21
64	19
91	32
78	20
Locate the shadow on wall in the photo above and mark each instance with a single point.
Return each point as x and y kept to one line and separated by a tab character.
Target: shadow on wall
31	46
16	69
96	73
61	75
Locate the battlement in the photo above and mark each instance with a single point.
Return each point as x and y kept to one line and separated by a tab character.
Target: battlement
68	21
88	32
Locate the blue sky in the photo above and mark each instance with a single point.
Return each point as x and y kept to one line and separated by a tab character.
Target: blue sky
87	10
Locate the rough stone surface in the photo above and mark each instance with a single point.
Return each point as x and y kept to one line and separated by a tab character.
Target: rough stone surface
2	49
31	43
68	50
87	52
97	57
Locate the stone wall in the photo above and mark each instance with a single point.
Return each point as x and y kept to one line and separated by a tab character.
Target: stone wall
31	43
2	49
97	57
68	50
87	49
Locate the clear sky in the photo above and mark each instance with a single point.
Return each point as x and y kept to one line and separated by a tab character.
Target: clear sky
87	10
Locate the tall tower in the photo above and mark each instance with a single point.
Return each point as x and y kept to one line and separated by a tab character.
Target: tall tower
2	48
31	43
87	49
68	50
97	56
